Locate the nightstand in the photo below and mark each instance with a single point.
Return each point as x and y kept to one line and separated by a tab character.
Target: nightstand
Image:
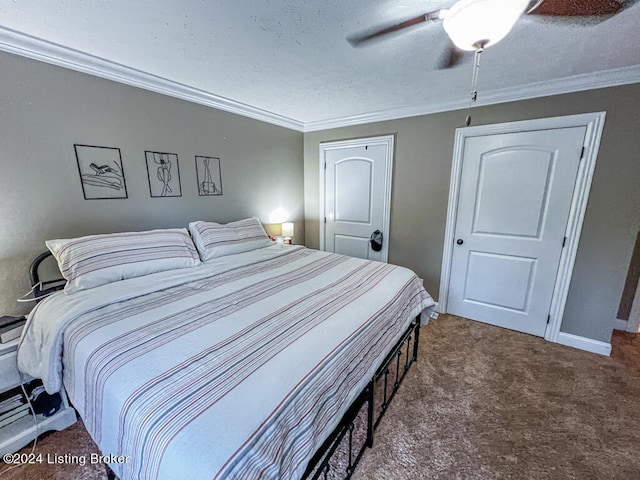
19	433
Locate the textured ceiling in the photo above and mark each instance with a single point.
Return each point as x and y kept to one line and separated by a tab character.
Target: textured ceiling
291	59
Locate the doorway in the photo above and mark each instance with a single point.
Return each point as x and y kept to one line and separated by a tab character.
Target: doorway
517	199
355	197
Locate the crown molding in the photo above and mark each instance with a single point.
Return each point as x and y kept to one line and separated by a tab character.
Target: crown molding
29	46
576	83
25	45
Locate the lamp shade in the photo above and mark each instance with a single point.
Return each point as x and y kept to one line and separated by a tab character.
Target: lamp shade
287	229
481	23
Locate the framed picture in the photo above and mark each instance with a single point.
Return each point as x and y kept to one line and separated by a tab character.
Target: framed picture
209	176
163	173
101	172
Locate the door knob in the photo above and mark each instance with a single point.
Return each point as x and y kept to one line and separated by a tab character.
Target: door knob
459	241
376	241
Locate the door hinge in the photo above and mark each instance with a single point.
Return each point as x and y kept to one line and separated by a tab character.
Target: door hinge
564	242
582	153
325	219
325	165
548	319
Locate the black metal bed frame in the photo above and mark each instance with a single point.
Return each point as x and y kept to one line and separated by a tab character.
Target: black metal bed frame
41	289
372	403
361	419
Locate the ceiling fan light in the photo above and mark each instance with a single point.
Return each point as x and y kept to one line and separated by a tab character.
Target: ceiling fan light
474	23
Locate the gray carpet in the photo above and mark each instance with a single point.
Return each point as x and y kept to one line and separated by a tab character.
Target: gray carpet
482	403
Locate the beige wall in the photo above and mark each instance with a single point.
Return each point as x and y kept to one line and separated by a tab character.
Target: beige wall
45	109
422	168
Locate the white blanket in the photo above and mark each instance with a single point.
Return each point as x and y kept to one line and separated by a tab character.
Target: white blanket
238	368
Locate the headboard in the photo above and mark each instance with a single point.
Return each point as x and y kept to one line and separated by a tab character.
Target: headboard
43	288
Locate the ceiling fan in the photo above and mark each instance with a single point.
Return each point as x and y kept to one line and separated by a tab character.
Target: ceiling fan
474	25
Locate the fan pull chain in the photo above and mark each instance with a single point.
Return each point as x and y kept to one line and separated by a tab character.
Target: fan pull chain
474	83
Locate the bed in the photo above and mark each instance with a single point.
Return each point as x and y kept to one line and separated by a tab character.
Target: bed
244	366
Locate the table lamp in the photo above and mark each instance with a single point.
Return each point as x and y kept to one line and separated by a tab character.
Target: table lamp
287	232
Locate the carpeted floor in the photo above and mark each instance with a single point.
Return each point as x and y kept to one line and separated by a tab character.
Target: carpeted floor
489	403
481	403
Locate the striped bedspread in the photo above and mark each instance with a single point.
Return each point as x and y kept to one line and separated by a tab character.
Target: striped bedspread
235	369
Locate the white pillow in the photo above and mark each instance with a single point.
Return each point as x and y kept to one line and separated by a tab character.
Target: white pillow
216	240
88	262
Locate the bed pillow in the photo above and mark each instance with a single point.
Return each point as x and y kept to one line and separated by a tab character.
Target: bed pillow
95	260
216	240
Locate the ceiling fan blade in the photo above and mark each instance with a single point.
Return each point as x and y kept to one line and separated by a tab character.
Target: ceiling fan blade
577	8
360	39
452	57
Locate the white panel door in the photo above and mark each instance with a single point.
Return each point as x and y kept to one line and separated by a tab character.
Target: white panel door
514	203
357	192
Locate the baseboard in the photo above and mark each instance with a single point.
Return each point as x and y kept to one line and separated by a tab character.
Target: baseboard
583	343
621	325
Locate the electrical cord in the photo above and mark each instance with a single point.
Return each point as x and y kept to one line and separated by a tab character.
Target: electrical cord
22	299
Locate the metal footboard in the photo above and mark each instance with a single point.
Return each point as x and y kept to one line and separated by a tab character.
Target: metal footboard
393	370
341	452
